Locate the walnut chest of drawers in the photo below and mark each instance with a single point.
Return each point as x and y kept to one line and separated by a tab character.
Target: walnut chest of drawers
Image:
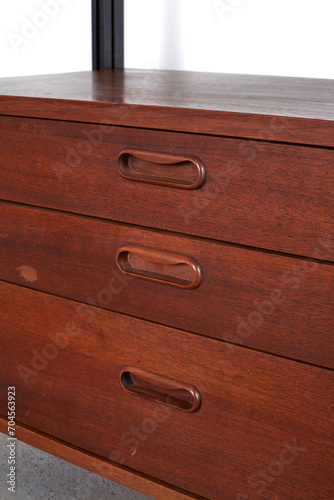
167	279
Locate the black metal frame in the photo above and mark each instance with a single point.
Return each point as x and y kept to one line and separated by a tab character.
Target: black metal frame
108	34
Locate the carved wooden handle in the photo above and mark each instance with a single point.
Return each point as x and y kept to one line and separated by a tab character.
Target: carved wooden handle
160	388
163	267
164	169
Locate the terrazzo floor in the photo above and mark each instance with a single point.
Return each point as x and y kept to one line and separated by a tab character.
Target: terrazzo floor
41	476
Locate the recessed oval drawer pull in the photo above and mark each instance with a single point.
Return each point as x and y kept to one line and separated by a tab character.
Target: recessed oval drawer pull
160	388
163	267
164	169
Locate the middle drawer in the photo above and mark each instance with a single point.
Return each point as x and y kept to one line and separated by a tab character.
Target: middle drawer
266	301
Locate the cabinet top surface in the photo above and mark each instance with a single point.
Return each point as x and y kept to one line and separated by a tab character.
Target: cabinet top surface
211	102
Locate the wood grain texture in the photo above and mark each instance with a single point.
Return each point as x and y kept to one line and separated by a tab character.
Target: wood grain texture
221	104
91	384
271	196
106	468
269	302
265	423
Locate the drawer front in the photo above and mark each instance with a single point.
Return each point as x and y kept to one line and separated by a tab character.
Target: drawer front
266	301
255	193
264	424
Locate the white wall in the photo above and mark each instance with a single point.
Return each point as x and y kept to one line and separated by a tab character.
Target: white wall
270	37
44	36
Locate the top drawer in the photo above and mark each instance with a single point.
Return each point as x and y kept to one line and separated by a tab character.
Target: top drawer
256	193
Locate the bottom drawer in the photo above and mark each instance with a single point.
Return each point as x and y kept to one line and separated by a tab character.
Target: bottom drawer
259	425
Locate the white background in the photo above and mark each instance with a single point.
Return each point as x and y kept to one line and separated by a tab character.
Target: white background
60	43
271	37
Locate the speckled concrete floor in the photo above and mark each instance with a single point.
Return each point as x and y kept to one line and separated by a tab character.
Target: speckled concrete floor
41	476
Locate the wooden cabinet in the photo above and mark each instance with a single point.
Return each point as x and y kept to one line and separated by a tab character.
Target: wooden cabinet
167	280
